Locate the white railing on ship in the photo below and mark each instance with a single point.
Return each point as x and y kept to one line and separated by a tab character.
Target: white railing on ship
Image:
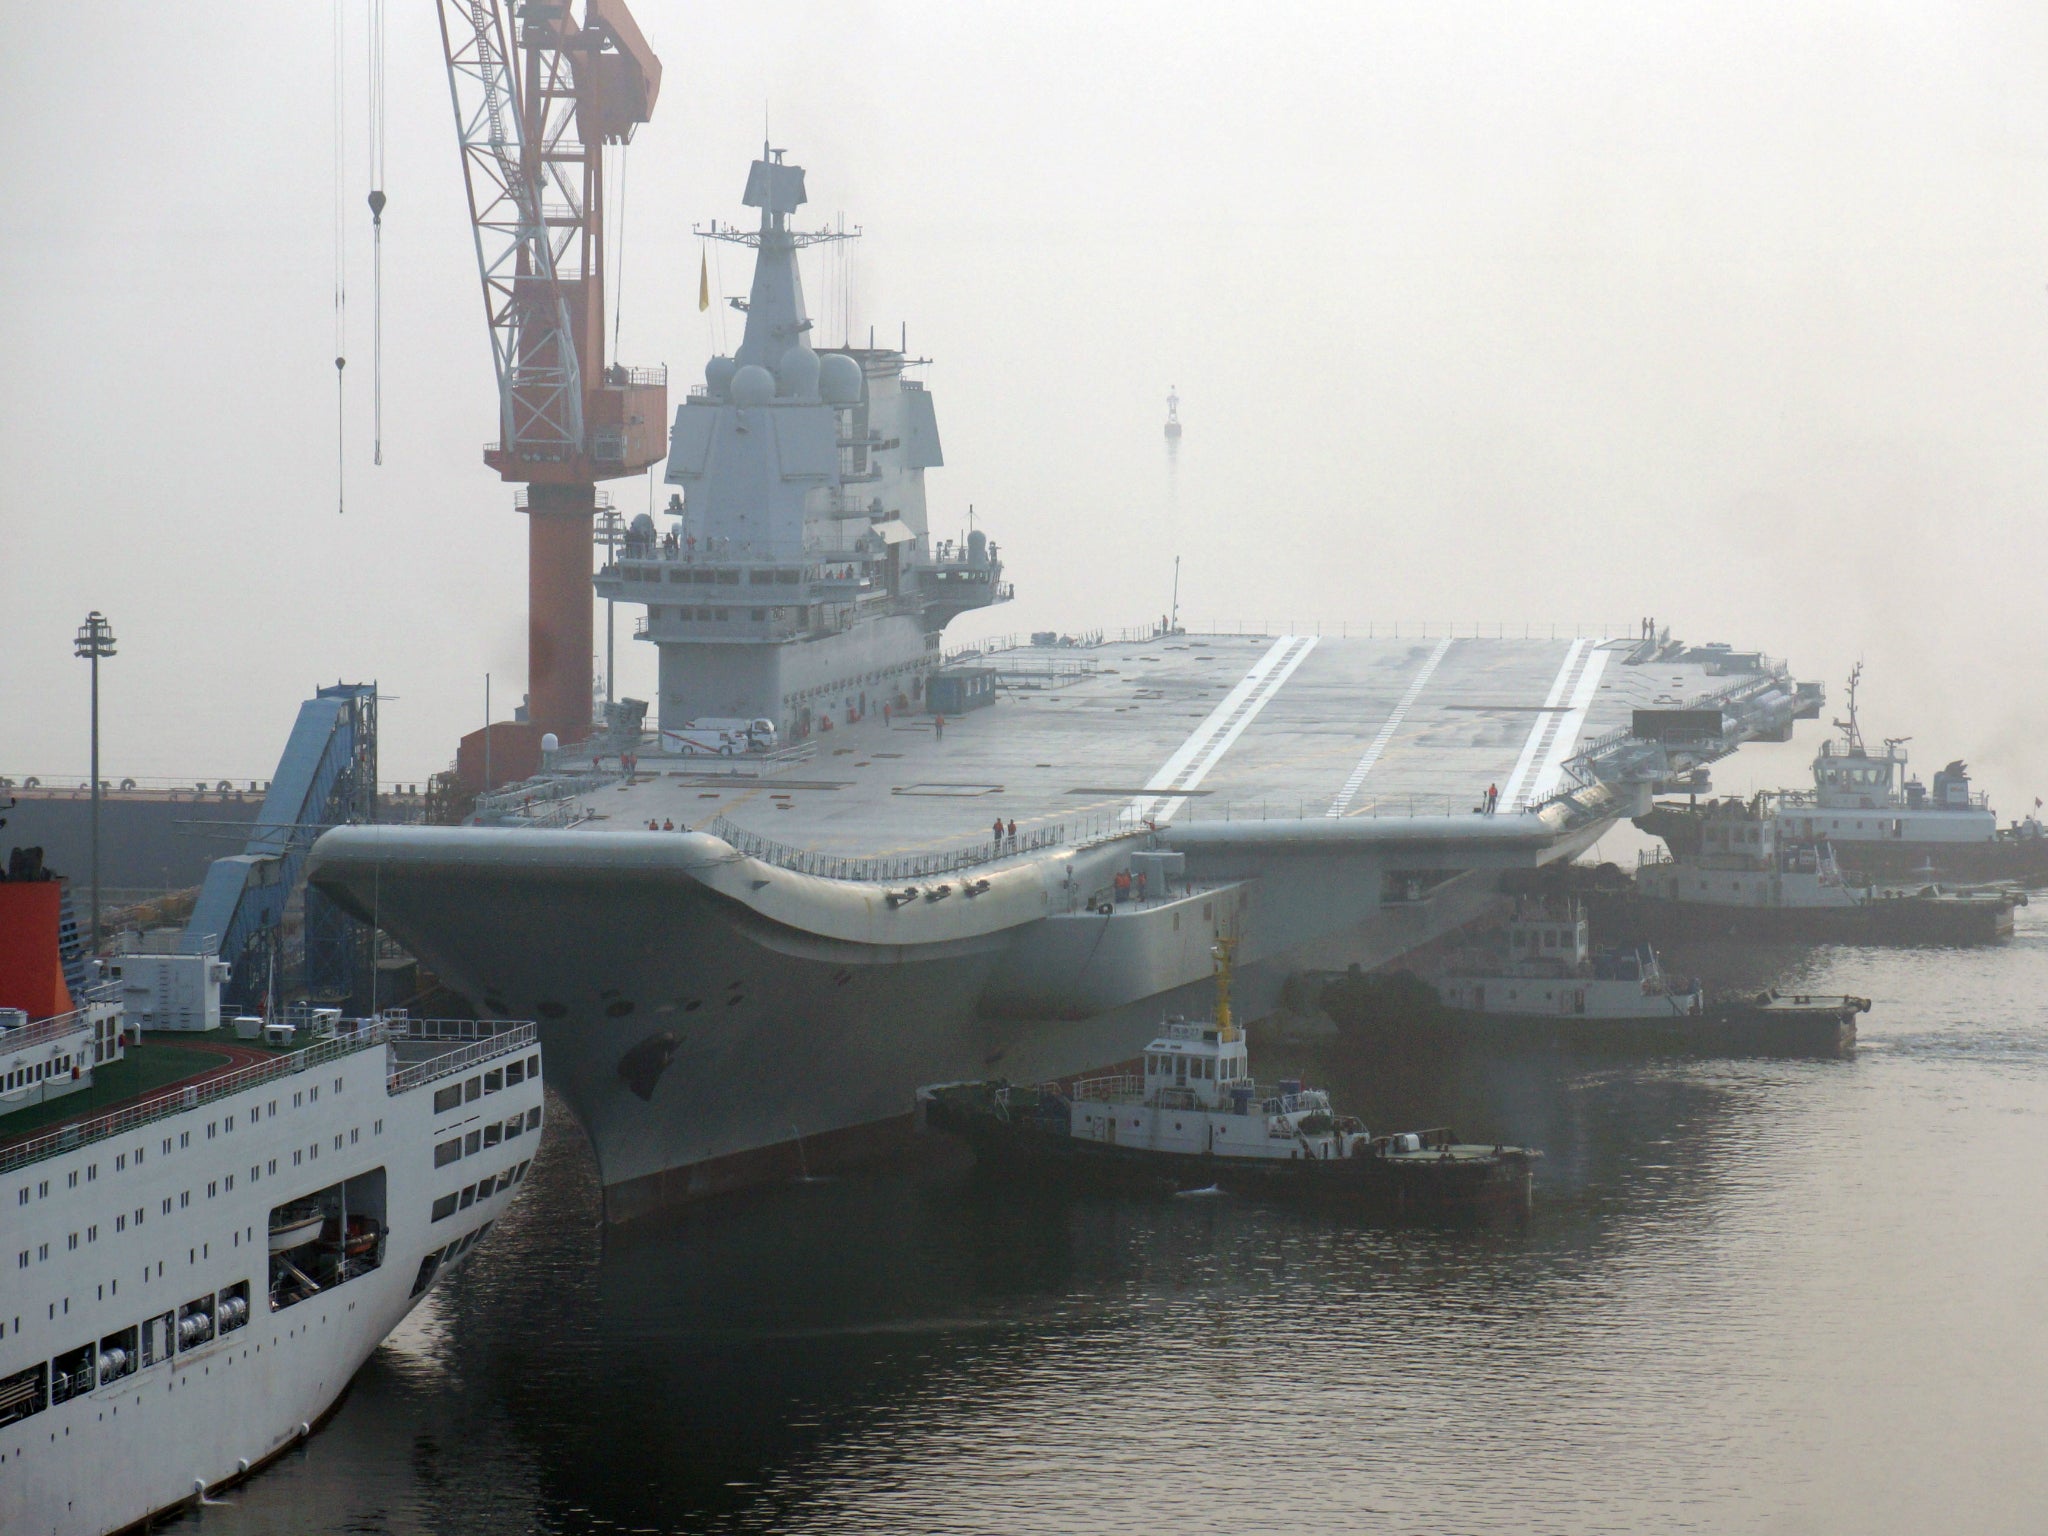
890	868
517	1038
177	1100
1293	1103
1115	1086
53	1028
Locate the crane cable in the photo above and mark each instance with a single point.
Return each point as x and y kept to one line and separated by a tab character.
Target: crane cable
340	269
376	126
619	261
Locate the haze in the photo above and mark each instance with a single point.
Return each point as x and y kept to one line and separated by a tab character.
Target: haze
1736	315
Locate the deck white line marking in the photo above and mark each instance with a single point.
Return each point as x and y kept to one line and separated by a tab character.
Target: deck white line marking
1509	790
1349	792
1569	725
1205	747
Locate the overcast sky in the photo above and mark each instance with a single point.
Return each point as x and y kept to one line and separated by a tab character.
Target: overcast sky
1735	314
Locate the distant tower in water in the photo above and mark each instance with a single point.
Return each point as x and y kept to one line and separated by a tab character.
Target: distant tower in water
1172	419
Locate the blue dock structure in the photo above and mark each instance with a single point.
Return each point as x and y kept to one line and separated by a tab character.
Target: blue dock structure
327	777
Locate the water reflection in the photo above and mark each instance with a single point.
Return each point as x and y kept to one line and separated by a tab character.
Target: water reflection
1756	1295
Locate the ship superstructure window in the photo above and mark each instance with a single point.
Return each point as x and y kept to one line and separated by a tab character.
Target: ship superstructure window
428	1266
24	1393
447	1098
326	1239
72	1374
158	1336
233	1310
119	1355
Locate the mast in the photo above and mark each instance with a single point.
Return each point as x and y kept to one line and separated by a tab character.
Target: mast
1852	733
1226	1028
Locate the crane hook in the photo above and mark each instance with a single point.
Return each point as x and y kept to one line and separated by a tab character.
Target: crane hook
377	206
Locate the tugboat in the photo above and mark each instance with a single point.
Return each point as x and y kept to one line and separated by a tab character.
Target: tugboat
1883	824
1751	873
1194	1118
1548	986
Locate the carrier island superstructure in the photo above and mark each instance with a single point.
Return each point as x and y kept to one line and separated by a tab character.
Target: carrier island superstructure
746	965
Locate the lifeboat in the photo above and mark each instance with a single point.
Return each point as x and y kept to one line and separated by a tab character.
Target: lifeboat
362	1236
294	1229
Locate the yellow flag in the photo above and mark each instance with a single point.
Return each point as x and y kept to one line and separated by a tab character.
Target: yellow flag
703	280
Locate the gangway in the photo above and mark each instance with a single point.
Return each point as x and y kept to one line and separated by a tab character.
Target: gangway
326	777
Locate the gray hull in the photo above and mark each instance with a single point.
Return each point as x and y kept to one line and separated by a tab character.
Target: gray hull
707	1044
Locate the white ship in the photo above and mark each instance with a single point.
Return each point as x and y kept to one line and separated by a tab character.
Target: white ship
189	1280
746	964
1547	968
1881	823
1755	872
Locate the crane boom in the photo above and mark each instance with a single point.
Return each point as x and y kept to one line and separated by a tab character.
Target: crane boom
537	95
540	386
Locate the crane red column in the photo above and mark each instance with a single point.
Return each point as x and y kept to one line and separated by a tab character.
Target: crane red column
533	111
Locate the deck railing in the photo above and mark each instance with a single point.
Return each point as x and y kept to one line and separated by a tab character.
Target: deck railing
57	1025
1116	1085
502	1042
176	1100
886	868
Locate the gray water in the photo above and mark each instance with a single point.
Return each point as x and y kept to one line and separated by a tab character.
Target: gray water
1754	1296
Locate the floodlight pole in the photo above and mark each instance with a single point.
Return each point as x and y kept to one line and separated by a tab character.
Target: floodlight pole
95	639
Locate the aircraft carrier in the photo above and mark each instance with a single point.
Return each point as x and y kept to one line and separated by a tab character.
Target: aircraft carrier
894	866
